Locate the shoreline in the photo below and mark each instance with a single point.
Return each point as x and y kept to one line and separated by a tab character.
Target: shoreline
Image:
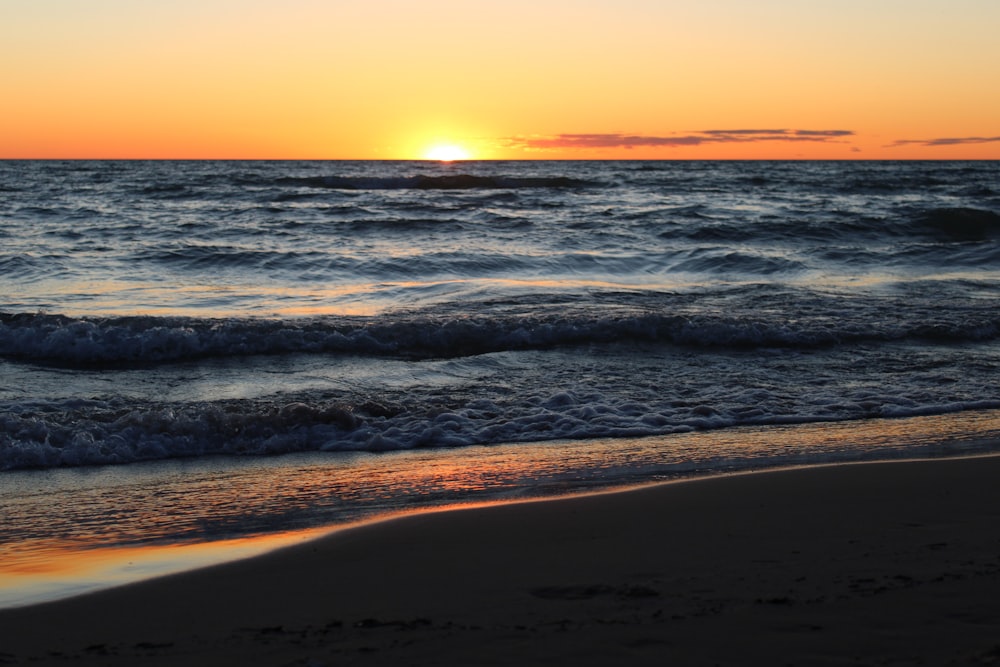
877	561
108	510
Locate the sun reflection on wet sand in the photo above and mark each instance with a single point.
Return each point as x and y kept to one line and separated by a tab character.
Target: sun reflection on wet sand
125	523
37	573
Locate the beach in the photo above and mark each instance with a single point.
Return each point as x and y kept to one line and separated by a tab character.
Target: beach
409	363
874	563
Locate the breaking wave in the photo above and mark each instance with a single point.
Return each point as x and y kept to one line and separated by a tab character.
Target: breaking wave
88	342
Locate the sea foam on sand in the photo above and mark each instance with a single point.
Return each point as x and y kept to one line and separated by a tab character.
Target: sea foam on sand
864	564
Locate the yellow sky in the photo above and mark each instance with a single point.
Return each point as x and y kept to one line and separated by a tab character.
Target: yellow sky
372	79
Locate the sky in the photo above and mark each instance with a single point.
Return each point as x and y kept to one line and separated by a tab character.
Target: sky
511	79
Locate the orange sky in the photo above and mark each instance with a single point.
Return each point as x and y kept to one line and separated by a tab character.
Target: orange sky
345	79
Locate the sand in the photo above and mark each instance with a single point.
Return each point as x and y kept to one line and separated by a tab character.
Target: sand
880	563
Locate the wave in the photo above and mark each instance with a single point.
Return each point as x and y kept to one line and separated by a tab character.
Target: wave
118	431
958	224
121	341
731	261
29	267
446	182
962	224
214	256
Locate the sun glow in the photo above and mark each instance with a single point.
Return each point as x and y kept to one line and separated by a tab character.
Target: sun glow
446	153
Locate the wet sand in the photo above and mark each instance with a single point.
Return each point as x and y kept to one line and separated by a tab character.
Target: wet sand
880	563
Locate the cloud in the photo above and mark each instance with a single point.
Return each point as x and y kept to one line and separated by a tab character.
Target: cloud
824	133
603	141
788	135
585	141
946	141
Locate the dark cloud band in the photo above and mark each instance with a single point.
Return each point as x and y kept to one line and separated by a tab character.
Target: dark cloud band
584	141
945	141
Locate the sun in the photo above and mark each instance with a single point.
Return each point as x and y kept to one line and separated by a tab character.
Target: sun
446	153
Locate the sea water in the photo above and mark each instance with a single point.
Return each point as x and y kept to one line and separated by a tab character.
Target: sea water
414	333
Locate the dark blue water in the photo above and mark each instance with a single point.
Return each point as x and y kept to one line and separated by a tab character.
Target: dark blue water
153	310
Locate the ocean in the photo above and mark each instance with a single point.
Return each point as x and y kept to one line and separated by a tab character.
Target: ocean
196	352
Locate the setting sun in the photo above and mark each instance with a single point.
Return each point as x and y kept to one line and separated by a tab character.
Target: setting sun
536	80
446	153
